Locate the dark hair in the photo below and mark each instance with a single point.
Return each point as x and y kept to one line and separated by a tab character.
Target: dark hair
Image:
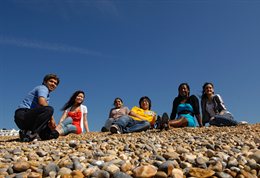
72	100
117	99
204	87
50	76
145	98
183	84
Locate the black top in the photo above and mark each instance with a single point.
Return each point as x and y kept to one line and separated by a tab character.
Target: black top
192	100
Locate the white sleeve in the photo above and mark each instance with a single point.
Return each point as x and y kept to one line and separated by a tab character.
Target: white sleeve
84	110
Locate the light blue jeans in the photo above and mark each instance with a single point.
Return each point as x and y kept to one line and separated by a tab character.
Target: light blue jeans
109	122
68	127
128	125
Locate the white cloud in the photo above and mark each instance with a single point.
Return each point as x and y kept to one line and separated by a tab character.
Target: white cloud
46	46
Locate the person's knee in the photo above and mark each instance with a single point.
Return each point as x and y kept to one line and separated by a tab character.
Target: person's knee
147	125
49	110
19	119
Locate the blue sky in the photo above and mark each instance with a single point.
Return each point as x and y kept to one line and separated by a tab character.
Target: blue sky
129	49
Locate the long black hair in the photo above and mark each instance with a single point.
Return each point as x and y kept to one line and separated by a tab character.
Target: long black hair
179	88
204	87
72	100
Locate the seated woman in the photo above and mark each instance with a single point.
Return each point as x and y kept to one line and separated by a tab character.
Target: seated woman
74	114
214	111
139	119
116	112
185	107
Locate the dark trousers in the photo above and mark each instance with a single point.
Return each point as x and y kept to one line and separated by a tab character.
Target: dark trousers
35	120
226	119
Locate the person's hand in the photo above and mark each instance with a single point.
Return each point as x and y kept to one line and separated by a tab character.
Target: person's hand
52	124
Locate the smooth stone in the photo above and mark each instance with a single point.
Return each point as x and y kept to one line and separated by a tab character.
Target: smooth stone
21	166
121	175
160	174
77	174
145	171
64	171
51	167
177	173
256	156
202	173
166	167
101	174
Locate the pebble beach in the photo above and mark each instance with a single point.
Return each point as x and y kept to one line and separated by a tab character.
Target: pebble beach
220	152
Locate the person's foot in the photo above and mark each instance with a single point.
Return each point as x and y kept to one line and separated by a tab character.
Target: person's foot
159	122
22	136
165	121
104	129
115	129
242	123
162	122
28	136
54	134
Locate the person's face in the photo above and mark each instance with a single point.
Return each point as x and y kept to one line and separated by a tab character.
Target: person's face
118	103
209	90
79	99
51	84
145	104
184	91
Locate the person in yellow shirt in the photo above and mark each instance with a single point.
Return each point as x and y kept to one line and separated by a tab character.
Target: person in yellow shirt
139	119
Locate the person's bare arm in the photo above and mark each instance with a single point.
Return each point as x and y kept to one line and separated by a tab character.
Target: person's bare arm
198	117
42	101
136	115
85	121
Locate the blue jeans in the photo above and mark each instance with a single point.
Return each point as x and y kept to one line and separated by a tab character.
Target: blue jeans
68	127
128	125
226	119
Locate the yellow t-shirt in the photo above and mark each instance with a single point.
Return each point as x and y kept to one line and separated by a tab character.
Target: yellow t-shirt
147	114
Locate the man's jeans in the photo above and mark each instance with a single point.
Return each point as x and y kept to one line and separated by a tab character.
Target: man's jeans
128	125
226	119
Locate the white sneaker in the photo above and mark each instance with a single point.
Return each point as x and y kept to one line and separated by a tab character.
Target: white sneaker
242	123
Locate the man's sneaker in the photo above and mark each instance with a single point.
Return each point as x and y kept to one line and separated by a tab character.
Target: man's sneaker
22	136
242	123
28	136
115	129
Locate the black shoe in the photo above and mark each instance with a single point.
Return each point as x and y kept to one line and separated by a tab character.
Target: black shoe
165	121
22	135
28	136
115	129
54	134
158	122
104	129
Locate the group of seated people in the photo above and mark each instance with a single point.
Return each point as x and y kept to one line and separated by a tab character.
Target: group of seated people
185	108
34	117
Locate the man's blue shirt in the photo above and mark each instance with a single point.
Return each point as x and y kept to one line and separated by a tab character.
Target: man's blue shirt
31	100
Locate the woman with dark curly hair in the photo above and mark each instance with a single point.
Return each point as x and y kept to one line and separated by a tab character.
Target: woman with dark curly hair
185	107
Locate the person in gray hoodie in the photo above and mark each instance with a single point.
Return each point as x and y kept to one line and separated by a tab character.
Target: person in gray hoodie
213	108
